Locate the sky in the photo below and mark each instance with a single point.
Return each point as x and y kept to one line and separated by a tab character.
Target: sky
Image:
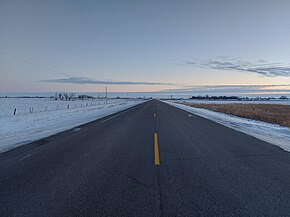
75	46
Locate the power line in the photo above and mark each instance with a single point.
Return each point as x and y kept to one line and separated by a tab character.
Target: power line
31	63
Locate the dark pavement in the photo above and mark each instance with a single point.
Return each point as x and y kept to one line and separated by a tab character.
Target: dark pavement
106	168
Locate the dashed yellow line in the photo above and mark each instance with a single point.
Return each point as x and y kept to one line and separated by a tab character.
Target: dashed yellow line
156	150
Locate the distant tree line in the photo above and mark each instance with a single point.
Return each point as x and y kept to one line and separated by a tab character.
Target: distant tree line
207	97
71	96
217	97
64	96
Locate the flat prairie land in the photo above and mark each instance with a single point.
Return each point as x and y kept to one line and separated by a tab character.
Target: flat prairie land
271	113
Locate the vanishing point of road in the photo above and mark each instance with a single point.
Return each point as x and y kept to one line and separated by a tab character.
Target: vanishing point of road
150	160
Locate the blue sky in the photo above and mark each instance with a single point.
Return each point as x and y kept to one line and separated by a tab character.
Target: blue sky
143	45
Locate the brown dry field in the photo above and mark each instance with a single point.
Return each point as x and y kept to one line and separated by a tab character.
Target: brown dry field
277	114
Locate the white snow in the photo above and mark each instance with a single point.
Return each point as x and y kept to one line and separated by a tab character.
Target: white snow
50	117
194	101
270	133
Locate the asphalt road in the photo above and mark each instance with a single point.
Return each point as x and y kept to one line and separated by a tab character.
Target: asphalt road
108	168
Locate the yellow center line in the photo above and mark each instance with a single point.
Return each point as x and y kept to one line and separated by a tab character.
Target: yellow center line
156	150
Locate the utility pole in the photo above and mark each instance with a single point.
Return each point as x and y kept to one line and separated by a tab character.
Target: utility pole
106	95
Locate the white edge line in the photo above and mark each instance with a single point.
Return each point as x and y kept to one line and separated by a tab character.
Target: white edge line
103	121
28	155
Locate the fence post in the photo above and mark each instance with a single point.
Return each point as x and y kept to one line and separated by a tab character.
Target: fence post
14	113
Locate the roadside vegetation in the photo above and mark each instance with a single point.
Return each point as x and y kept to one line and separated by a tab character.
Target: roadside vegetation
271	113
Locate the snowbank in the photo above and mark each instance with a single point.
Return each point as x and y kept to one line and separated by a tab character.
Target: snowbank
50	117
270	133
194	101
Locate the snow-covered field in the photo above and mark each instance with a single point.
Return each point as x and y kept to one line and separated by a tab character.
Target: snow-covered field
281	102
271	133
38	118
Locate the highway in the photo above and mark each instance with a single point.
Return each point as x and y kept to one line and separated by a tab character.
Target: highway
150	160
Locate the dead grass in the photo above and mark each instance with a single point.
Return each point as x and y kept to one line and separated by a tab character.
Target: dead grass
277	114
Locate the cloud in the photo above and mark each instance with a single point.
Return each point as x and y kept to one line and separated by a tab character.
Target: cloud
234	89
83	80
260	67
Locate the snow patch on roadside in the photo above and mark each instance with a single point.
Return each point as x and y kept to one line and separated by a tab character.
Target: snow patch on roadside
271	102
271	133
17	130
